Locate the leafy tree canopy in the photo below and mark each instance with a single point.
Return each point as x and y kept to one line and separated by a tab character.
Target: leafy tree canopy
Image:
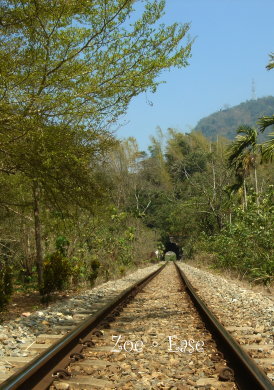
82	61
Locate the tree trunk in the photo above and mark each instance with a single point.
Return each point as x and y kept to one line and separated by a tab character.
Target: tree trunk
219	221
26	261
214	180
256	186
245	196
37	233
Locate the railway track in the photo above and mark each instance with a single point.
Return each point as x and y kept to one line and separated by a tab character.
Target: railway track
150	337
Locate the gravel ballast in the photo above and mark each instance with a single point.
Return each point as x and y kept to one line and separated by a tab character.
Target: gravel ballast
234	305
247	315
17	336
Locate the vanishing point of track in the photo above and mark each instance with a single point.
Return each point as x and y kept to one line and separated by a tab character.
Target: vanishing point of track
156	335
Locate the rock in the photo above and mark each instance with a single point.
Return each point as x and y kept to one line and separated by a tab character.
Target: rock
259	329
26	314
61	386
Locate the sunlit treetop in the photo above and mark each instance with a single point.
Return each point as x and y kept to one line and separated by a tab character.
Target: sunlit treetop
83	61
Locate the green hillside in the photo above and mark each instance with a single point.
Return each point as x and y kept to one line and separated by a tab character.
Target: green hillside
225	122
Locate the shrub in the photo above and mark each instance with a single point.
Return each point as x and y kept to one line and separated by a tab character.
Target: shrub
94	270
247	244
122	270
57	268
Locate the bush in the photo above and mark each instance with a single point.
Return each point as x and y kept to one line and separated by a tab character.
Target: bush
57	268
122	270
247	244
94	270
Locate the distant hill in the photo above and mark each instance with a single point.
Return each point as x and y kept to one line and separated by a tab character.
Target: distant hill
227	120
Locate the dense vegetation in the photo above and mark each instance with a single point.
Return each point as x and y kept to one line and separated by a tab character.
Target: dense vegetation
215	198
68	72
224	122
75	204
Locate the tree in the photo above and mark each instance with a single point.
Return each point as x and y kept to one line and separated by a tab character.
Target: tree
186	154
54	163
267	147
69	70
82	62
123	166
242	157
197	168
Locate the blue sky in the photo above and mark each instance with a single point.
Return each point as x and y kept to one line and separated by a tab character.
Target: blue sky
233	41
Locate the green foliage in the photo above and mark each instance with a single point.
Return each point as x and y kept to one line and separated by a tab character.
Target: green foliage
270	65
112	242
246	245
186	182
170	256
69	70
75	60
94	271
62	244
245	141
57	268
242	157
122	270
268	146
186	154
264	122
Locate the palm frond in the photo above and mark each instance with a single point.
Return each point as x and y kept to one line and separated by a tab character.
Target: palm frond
265	121
244	141
268	148
271	62
234	188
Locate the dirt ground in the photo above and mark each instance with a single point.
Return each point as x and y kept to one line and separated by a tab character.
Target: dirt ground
29	302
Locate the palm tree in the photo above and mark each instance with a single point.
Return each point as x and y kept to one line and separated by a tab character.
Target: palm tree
270	65
267	148
242	157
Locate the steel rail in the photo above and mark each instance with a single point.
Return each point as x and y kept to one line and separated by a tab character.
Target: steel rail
39	373
247	374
